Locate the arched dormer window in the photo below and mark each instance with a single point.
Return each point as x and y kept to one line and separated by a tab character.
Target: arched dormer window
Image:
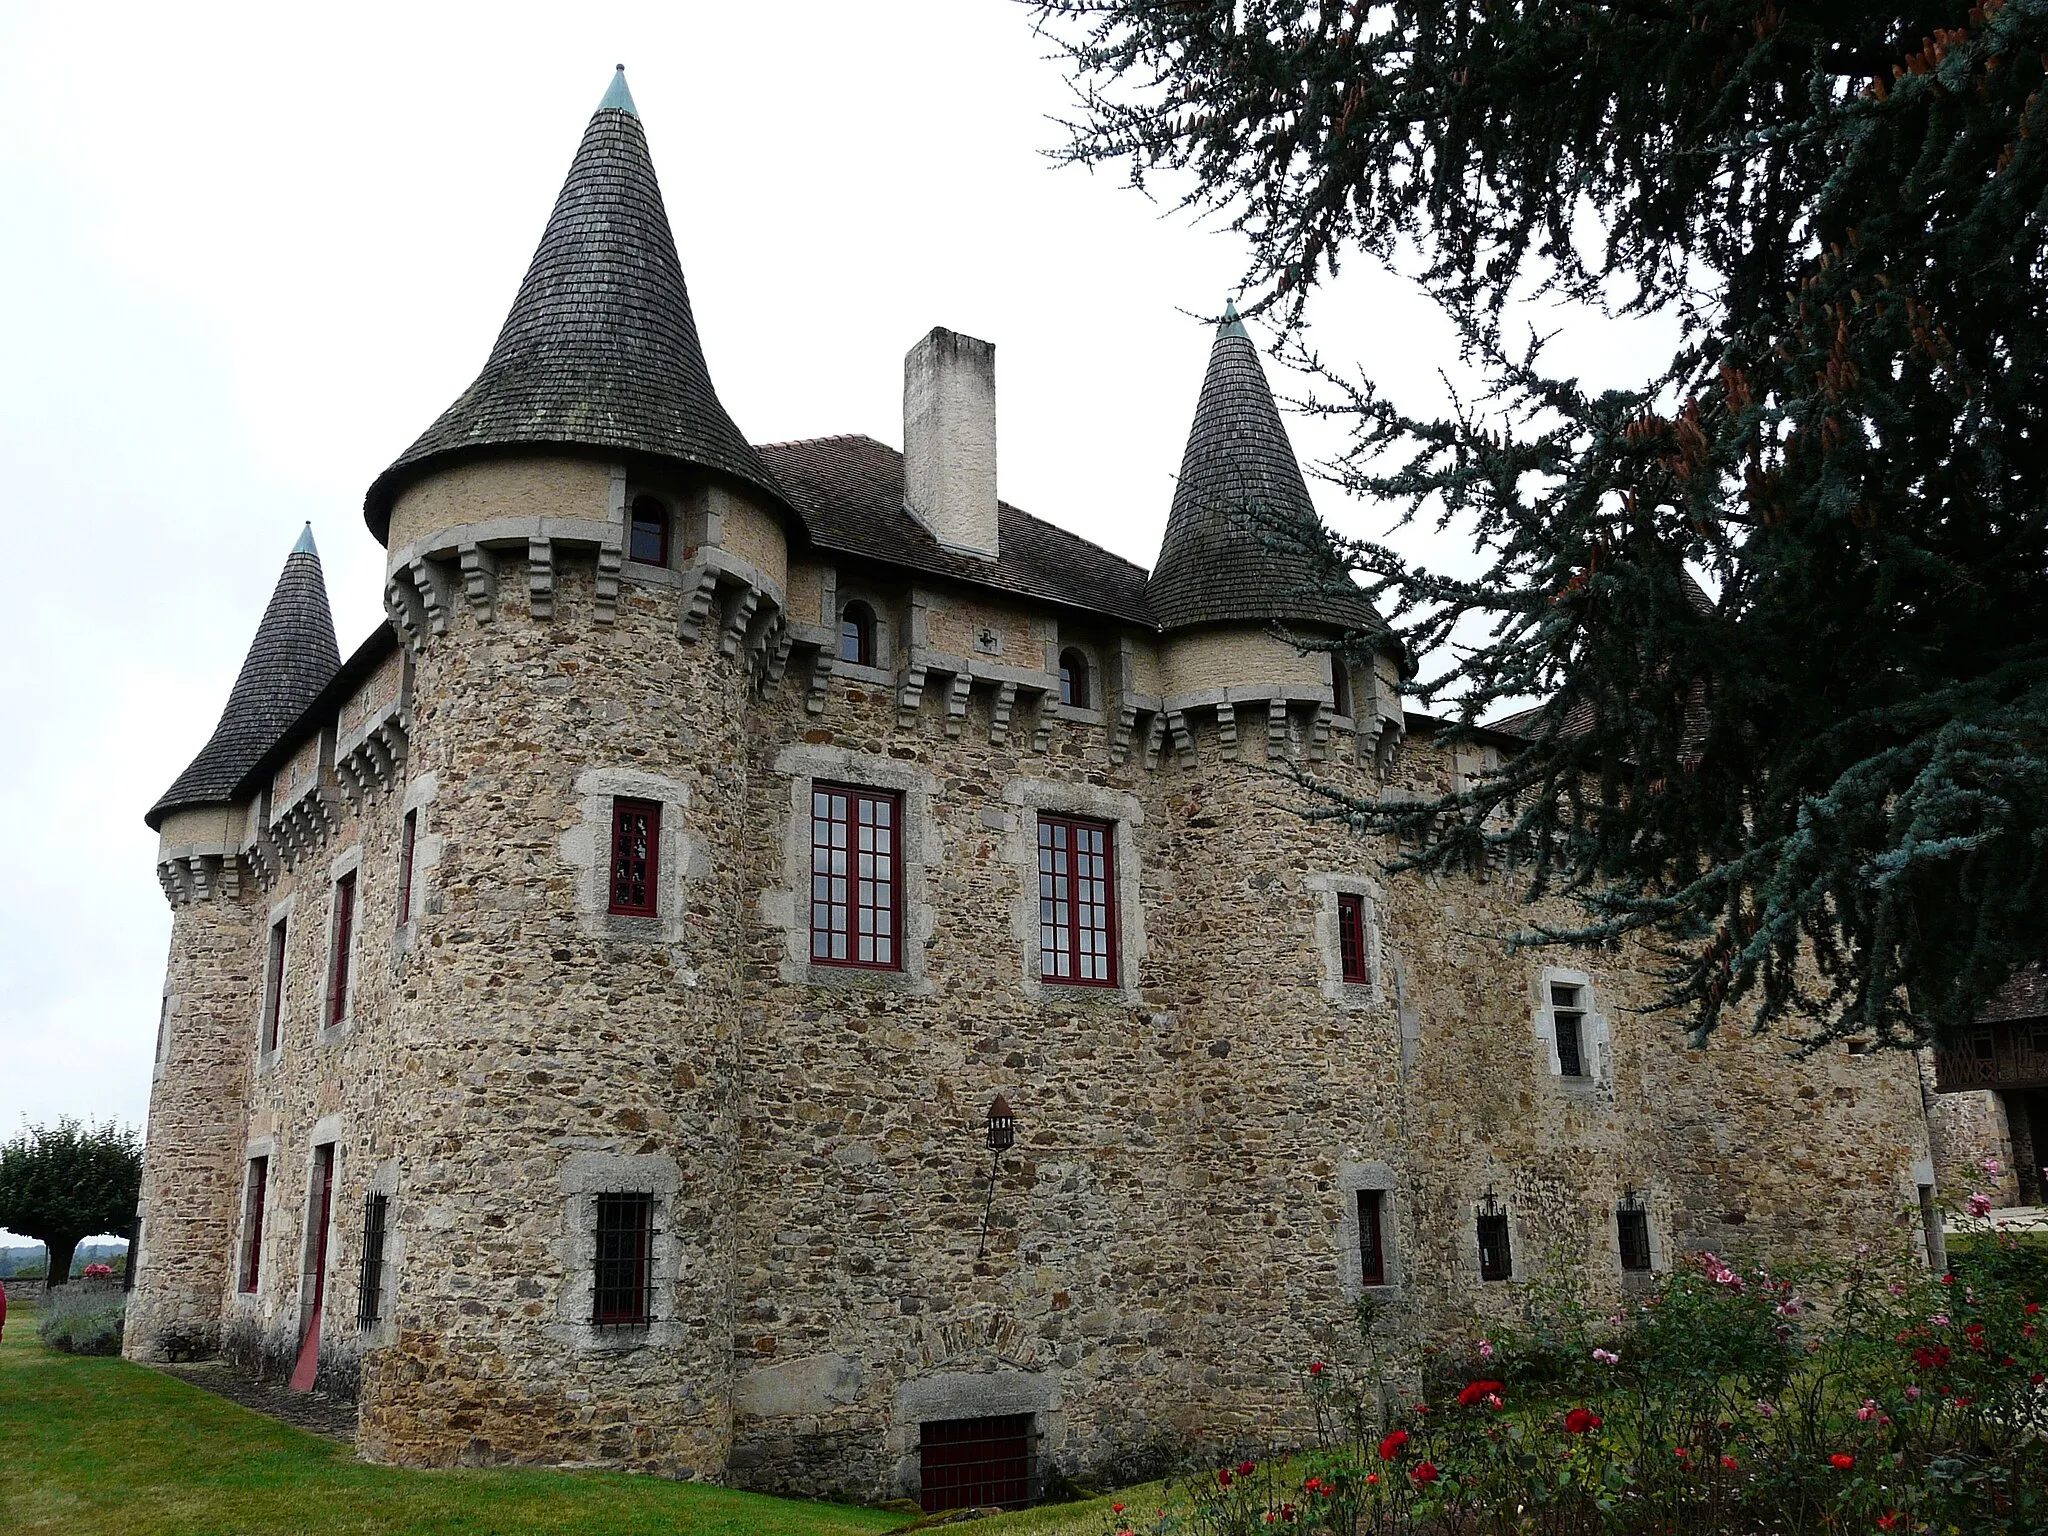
1340	684
1074	679
857	634
648	542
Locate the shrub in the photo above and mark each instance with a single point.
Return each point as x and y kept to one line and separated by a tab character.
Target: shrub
82	1322
1734	1398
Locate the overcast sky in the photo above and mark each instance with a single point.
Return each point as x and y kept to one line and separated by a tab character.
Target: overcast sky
250	253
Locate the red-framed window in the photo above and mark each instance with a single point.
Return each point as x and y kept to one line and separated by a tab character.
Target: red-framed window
408	832
636	856
649	538
273	985
252	1222
856	866
344	930
622	1276
1372	1236
1076	901
1351	939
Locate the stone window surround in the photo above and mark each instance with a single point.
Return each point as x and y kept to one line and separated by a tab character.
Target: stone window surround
427	849
264	1147
944	1395
284	912
585	1176
1328	886
348	862
626	493
883	668
170	1007
1126	813
326	1132
1595	1046
383	1181
1351	1178
587	848
918	848
1094	711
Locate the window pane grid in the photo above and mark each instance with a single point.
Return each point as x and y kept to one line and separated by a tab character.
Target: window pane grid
344	924
855	852
636	852
1076	902
622	1272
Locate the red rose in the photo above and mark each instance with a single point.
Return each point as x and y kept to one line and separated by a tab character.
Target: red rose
1728	1462
1886	1522
1476	1391
1245	1468
1315	1368
1841	1461
1223	1478
1391	1446
1372	1477
1425	1472
1579	1420
2033	1307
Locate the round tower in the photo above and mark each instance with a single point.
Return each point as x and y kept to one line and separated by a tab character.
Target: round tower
192	1167
587	561
1278	938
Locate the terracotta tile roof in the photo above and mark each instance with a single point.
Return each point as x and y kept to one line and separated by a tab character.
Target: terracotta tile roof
1224	557
850	491
600	350
289	662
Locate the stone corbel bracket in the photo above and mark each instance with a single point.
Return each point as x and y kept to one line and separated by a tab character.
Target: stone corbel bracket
728	600
200	872
421	578
371	760
961	674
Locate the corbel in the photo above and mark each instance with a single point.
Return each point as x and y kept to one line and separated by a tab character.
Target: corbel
479	581
540	575
956	703
433	591
1226	727
999	717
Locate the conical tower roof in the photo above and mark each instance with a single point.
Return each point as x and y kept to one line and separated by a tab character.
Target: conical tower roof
289	661
1228	556
600	351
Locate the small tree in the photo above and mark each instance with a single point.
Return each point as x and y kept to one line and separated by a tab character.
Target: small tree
61	1184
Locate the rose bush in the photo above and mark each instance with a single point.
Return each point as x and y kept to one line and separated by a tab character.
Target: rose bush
1733	1398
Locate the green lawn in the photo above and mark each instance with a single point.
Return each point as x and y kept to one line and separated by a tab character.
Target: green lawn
90	1446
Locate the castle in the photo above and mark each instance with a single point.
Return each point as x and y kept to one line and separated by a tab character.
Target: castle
777	966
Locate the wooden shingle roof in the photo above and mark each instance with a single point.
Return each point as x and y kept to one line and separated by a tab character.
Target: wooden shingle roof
1243	542
600	351
289	662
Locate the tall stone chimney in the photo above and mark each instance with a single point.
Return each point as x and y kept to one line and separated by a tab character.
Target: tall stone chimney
949	440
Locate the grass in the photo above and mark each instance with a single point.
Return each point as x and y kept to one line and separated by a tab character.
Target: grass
96	1445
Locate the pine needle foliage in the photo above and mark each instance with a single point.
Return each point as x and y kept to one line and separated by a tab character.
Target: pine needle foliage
1821	793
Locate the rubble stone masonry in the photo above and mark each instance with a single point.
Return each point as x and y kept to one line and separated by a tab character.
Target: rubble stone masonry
1174	1232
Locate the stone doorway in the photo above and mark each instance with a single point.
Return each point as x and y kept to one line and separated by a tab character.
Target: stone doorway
2026	1124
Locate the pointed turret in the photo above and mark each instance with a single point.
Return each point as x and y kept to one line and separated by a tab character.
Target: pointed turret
291	659
1225	558
600	351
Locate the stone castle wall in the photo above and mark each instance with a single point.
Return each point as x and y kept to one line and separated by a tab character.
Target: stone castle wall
1174	1232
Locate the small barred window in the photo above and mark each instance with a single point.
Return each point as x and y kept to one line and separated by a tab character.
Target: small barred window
621	1290
1351	939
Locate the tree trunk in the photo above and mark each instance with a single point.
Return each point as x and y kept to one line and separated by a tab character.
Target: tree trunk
60	1250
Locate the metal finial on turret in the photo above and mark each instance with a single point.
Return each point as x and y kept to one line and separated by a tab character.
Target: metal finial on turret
617	97
305	545
1230	325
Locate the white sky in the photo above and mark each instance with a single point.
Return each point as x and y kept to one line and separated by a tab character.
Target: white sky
248	253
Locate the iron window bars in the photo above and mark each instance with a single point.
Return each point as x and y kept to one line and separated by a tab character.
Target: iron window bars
1351	939
622	1273
976	1463
370	1283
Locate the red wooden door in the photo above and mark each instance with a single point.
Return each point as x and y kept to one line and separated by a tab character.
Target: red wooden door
308	1365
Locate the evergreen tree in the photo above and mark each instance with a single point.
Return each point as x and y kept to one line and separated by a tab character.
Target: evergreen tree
1824	789
61	1184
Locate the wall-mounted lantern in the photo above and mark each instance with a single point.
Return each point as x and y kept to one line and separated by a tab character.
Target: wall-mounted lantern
1002	1135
